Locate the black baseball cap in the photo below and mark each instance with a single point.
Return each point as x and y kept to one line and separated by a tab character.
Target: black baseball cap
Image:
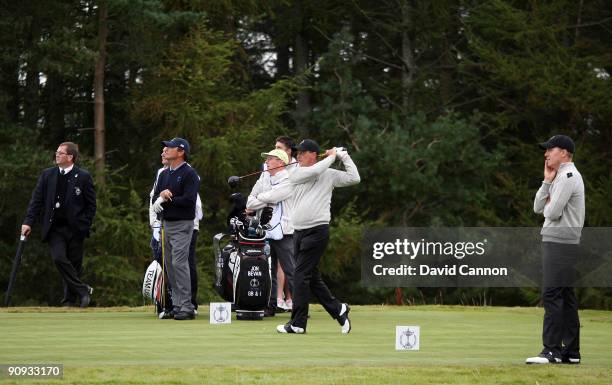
561	141
177	142
308	145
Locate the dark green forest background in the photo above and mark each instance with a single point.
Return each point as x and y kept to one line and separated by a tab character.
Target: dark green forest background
440	103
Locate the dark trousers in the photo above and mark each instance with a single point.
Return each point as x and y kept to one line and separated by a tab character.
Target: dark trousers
561	329
309	246
193	272
66	248
281	251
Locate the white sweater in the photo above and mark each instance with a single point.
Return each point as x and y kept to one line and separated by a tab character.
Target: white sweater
270	190
313	188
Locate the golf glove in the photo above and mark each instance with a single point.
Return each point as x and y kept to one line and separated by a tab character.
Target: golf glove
341	154
157	233
157	206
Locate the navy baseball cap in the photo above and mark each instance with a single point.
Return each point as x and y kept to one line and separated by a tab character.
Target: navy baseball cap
177	142
308	145
561	141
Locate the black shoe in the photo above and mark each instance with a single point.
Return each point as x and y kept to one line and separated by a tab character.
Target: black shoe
290	329
343	318
544	358
86	299
184	315
166	314
570	360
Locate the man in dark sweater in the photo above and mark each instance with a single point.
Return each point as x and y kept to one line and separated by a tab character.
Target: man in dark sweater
65	200
175	202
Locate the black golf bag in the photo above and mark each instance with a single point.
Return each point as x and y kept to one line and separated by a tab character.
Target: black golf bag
242	267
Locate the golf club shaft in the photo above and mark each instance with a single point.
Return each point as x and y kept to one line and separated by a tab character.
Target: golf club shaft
16	263
273	168
288	164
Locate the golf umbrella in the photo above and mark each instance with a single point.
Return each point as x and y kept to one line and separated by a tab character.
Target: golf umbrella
16	263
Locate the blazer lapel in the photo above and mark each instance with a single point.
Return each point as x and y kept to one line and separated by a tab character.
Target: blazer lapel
51	186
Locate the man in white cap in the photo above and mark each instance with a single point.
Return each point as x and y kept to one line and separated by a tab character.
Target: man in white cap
276	192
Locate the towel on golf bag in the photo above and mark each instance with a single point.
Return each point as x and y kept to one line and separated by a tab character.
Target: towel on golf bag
274	229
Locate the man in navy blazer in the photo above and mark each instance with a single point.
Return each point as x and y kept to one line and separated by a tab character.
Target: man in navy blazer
65	201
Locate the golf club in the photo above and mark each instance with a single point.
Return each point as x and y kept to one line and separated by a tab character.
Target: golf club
15	268
234	179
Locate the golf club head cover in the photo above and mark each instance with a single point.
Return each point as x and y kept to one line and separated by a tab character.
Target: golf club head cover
237	211
266	215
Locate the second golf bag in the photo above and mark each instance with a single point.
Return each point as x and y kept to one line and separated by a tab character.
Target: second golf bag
155	283
242	265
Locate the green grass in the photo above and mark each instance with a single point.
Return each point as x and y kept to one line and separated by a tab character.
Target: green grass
459	345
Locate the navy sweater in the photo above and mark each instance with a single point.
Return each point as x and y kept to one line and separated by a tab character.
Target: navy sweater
184	184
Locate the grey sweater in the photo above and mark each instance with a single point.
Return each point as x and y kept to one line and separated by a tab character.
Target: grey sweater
562	204
313	188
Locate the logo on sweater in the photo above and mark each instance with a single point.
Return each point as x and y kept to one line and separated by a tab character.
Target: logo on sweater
77	191
569	175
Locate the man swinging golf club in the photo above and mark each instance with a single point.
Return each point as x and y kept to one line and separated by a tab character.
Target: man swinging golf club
313	185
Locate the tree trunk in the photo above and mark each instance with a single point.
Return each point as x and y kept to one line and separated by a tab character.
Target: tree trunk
99	125
578	21
445	71
55	109
303	97
10	85
408	65
31	101
282	62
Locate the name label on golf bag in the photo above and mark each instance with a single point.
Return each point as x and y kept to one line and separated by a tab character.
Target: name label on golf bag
253	283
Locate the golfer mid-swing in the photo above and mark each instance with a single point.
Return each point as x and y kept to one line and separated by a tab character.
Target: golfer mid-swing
313	185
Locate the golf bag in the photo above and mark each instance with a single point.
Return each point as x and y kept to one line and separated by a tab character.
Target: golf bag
242	267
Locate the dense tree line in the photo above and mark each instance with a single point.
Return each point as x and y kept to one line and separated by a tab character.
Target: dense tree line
440	103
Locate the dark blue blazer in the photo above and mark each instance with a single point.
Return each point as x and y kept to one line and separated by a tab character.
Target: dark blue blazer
79	204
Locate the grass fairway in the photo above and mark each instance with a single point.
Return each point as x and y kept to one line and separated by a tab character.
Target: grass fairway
459	345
